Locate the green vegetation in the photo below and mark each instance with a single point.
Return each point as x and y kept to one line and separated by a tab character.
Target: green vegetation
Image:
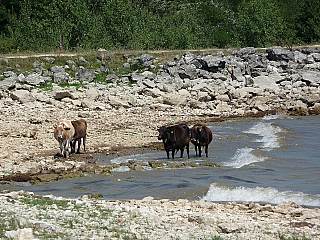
42	203
33	25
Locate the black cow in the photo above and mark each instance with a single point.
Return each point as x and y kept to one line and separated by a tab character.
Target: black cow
201	136
175	138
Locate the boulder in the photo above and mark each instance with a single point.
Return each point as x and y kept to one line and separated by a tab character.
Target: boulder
93	94
49	60
116	101
61	77
147	60
9	74
112	78
36	79
8	83
23	96
84	74
268	82
83	61
174	99
60	94
148	83
211	63
244	52
187	71
310	77
279	54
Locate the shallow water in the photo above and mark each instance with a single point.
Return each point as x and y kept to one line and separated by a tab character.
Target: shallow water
268	160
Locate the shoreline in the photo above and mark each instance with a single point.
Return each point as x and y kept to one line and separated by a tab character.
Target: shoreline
49	217
121	116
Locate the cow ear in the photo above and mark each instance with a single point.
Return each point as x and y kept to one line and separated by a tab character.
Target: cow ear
54	125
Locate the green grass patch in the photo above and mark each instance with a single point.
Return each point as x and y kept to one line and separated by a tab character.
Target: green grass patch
43	203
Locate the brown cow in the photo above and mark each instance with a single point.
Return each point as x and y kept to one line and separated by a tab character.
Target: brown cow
80	127
175	138
201	136
63	133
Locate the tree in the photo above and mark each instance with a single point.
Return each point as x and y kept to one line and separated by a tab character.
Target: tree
258	23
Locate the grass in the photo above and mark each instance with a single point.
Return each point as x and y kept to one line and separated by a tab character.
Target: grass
43	203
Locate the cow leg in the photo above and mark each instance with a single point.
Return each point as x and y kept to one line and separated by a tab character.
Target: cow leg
182	149
173	153
84	144
195	148
188	151
73	146
199	147
61	148
79	143
206	150
64	151
168	153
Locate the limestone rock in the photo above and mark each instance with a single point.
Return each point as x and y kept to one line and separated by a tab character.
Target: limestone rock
23	96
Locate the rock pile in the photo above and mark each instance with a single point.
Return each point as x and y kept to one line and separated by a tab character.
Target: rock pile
242	82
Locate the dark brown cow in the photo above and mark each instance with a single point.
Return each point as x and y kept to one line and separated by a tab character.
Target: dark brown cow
80	127
175	138
201	136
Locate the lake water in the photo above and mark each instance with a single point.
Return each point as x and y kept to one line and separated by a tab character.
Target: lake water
268	160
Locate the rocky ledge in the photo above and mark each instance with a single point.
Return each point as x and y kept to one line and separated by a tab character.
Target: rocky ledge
27	216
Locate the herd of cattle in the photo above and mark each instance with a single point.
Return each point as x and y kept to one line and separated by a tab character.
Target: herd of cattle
174	138
177	137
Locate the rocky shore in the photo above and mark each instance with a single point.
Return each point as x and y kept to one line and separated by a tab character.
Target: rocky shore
26	216
123	114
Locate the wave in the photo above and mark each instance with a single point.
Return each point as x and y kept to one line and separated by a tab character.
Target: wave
259	194
243	156
272	117
268	132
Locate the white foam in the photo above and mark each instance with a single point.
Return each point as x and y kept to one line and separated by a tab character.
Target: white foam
121	169
243	156
272	117
268	132
259	194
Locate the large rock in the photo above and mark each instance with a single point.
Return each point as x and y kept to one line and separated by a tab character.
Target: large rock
268	82
147	60
112	78
187	71
174	98
36	79
116	101
23	96
211	63
84	74
279	54
311	77
60	93
144	61
61	77
8	83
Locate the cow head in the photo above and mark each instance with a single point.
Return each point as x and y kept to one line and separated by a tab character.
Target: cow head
162	133
196	134
60	129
